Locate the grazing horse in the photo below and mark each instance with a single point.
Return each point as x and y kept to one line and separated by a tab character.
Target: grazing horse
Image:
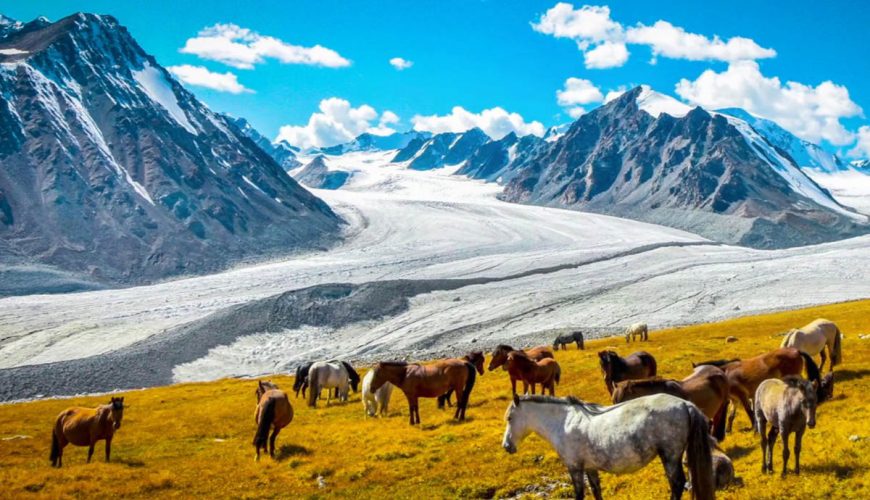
328	375
619	439
428	381
545	372
790	407
375	402
84	427
300	383
706	387
562	341
476	358
636	329
744	376
723	467
814	338
635	366
500	354
273	411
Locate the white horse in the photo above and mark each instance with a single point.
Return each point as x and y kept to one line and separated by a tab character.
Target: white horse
375	402
636	329
814	338
618	439
327	375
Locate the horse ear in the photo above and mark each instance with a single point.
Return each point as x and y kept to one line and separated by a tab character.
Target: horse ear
516	400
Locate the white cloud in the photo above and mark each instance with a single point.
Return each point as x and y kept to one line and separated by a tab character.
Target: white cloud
862	145
337	122
495	122
202	77
603	41
613	94
575	94
401	64
674	42
576	112
813	113
242	48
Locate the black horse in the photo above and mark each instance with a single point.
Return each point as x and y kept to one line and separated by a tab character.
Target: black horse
300	383
563	341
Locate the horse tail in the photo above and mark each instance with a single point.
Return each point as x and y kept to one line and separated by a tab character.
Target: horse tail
653	367
699	455
837	352
55	447
313	389
558	375
786	341
267	414
469	384
721	418
812	369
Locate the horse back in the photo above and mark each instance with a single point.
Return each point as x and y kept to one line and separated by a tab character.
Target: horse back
78	425
538	353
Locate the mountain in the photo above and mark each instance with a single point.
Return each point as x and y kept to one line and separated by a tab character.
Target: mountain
281	152
804	153
441	149
649	157
317	175
371	142
860	165
499	160
111	169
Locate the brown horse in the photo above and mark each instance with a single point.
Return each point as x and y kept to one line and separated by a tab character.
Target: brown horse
428	381
744	376
500	354
635	366
707	387
545	372
273	411
84	427
476	358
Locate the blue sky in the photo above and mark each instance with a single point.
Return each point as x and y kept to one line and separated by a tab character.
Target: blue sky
485	54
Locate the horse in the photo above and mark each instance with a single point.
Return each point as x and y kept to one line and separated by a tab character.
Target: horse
375	402
562	341
329	375
476	358
499	355
637	365
723	467
273	411
790	407
300	382
706	387
636	329
744	376
428	381
814	338
84	427
619	439
545	372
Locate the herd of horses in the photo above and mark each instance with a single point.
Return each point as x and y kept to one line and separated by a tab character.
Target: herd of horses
650	416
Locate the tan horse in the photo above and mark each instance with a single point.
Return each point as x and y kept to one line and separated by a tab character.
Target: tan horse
814	338
500	354
428	381
707	387
84	427
744	376
545	372
273	411
790	407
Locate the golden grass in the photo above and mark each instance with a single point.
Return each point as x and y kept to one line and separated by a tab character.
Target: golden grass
195	439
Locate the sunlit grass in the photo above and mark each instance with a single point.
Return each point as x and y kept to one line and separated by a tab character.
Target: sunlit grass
195	439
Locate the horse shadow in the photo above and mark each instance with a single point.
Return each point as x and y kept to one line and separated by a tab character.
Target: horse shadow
840	471
129	462
291	450
846	375
737	451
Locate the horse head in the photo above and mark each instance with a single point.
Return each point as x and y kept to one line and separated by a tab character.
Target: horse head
808	396
352	376
515	426
476	358
606	359
826	389
117	409
499	356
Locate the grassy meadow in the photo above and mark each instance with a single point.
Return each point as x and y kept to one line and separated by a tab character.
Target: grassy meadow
194	440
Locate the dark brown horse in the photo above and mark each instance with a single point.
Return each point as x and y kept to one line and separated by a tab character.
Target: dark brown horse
273	411
545	372
476	358
428	381
84	427
707	387
745	375
635	366
562	341
500	354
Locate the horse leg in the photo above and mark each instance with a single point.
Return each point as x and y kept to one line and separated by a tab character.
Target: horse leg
533	387
748	408
577	475
594	483
272	441
771	441
91	450
108	448
824	357
762	429
785	453
676	476
798	437
514	385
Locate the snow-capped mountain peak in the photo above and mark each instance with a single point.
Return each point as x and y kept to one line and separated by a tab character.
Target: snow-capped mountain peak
656	103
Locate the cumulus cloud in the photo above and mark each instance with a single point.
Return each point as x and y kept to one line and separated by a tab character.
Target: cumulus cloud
613	94
862	145
337	122
576	93
401	64
812	113
495	122
603	41
242	48
202	77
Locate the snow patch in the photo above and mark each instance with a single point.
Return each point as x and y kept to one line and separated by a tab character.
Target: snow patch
12	52
154	83
655	103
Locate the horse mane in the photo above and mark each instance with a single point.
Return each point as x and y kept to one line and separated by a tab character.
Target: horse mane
719	363
503	347
794	381
394	363
588	408
354	376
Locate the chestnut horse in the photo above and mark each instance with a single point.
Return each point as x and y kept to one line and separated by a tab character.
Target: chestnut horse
707	387
500	354
635	366
428	381
744	376
273	411
545	372
476	358
84	427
